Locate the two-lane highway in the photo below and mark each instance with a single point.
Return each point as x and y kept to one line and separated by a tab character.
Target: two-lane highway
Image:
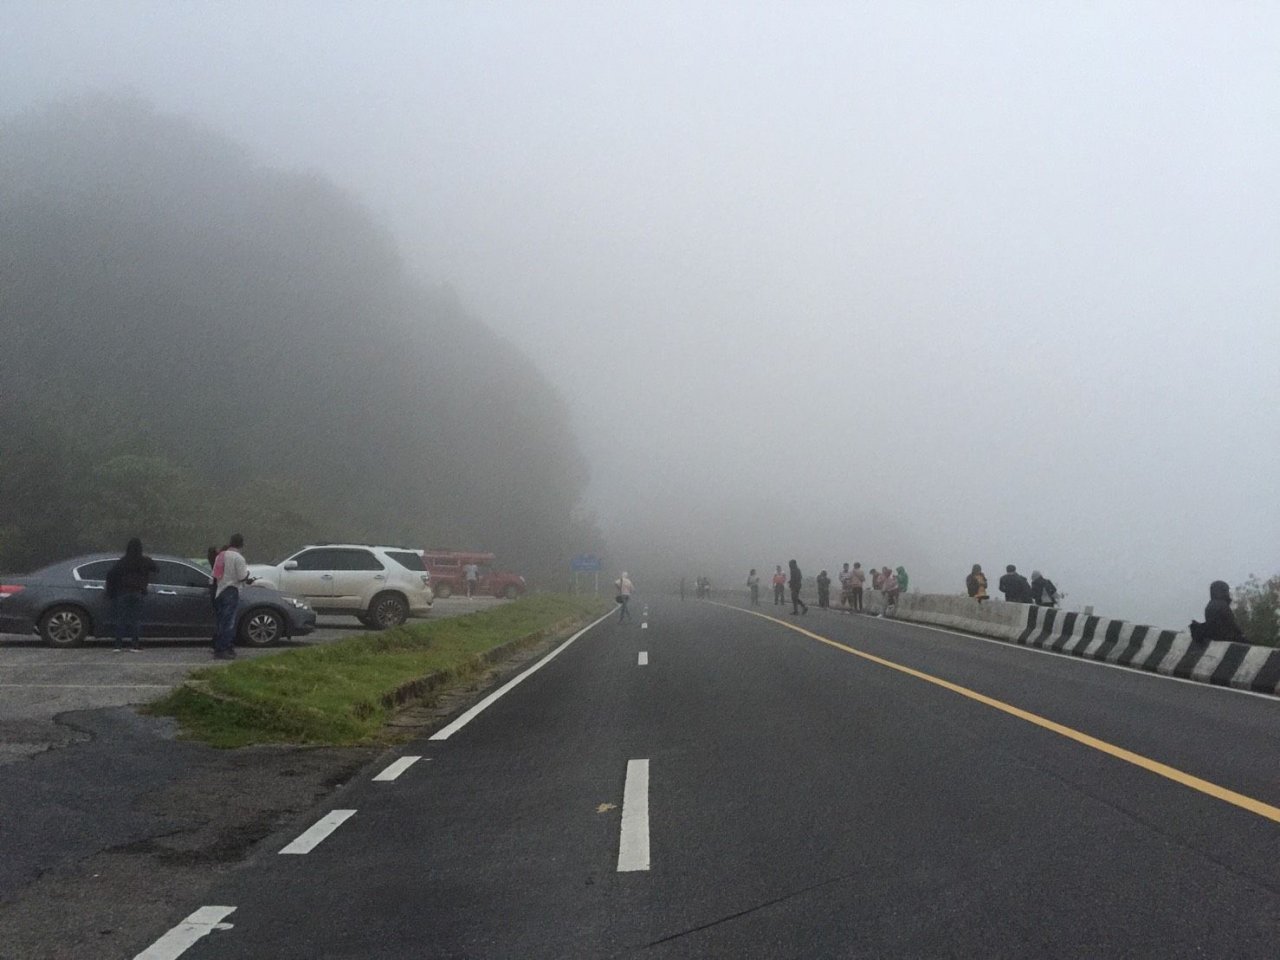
719	783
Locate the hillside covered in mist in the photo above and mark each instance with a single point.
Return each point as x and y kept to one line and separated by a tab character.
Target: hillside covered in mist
195	344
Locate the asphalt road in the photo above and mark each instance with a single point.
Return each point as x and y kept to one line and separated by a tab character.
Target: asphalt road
801	801
38	684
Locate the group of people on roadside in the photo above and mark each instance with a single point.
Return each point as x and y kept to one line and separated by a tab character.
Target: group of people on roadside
853	581
1039	590
129	578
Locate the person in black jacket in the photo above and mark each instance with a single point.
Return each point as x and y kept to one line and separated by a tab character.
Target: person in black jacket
797	581
126	588
1043	592
1219	621
1014	586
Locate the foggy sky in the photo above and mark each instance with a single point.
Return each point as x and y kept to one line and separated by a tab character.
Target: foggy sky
920	284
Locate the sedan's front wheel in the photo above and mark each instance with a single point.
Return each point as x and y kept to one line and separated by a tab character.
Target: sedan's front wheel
261	627
65	626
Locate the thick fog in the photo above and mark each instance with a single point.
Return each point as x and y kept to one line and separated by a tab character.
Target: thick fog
920	284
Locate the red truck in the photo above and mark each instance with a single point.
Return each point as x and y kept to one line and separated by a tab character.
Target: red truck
448	575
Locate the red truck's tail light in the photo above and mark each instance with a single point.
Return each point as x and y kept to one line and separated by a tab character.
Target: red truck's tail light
9	589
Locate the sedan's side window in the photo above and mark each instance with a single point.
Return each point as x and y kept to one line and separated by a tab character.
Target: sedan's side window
315	559
356	560
172	574
97	570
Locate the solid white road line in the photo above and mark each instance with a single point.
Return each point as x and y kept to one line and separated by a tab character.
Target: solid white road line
633	845
314	834
644	658
444	733
396	768
175	943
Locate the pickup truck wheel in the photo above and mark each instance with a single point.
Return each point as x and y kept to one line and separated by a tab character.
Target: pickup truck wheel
444	591
388	610
261	627
511	592
64	626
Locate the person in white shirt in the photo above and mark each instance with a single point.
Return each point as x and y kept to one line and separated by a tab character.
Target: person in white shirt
230	573
623	583
472	574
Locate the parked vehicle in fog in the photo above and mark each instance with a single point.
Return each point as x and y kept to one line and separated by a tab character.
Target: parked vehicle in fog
66	603
447	574
381	586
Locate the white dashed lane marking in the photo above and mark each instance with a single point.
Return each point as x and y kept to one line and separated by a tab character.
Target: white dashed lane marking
644	658
175	943
396	768
633	844
315	834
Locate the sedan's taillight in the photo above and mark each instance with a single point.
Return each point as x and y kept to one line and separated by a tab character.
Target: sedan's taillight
9	589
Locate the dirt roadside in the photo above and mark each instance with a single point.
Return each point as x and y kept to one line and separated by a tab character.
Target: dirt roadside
115	836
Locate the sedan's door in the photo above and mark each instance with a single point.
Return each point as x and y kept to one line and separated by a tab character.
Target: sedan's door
91	590
178	602
312	577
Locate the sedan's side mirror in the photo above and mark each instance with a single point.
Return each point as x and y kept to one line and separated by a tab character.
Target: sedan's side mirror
291	564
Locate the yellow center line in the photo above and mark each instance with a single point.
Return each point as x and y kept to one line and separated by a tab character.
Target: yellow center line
1154	766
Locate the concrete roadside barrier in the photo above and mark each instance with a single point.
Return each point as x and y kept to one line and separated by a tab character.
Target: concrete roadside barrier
1137	646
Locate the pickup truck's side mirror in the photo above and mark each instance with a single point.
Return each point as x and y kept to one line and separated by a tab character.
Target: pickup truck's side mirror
291	564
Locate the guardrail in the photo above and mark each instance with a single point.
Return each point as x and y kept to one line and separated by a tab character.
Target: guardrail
1138	646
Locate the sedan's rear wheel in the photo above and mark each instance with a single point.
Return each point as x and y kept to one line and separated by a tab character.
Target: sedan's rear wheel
261	627
388	610
65	626
511	592
444	591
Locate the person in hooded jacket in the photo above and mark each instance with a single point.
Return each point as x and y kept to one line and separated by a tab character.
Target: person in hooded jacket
126	588
976	583
902	579
1043	592
1219	621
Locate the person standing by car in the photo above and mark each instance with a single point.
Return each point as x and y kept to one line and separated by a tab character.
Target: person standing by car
625	589
230	573
472	574
753	586
976	583
797	581
126	588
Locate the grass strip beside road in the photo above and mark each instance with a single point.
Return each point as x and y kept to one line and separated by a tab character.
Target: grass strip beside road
344	693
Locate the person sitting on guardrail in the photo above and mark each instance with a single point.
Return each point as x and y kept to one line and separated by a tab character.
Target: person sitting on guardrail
976	583
1043	592
1219	622
1014	586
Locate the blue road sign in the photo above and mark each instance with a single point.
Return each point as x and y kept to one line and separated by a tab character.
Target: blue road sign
586	563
